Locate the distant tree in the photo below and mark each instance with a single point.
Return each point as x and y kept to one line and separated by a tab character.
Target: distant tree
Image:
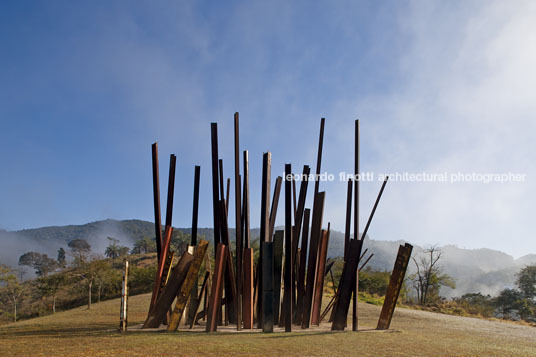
526	282
80	249
476	303
50	285
114	250
88	273
508	300
144	245
42	264
11	287
61	258
428	279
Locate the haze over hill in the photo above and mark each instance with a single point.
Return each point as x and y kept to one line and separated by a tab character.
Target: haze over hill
475	270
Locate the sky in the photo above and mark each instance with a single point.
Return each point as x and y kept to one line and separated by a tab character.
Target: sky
439	87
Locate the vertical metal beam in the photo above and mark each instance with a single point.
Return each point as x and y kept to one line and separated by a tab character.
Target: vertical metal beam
348	219
171	189
265	224
302	266
247	241
356	224
278	264
268	287
318	212
319	284
215	181
230	279
238	220
217	288
289	264
346	285
195	211
248	288
395	284
156	199
195	307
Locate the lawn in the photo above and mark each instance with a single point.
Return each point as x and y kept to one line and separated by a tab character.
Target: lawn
94	333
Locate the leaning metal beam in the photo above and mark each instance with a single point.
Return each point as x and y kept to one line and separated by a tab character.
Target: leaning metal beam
156	198
162	305
217	288
395	284
187	285
319	284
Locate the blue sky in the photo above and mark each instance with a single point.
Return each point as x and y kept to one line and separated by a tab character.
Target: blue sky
85	88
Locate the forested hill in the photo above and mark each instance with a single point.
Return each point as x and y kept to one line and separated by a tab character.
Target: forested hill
475	270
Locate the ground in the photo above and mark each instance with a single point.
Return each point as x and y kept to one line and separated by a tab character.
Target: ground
83	332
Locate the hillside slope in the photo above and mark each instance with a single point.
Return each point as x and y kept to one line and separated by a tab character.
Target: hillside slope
94	333
475	270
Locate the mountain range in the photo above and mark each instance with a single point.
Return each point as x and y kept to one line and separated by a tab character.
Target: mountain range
474	270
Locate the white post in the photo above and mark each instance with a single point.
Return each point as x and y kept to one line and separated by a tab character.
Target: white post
124	300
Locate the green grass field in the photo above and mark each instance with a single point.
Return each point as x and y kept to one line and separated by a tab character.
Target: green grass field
417	333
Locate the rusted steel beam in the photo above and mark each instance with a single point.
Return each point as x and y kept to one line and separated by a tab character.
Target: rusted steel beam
275	203
247	241
217	288
222	190
195	306
238	219
268	287
348	218
230	278
265	224
156	199
195	210
248	289
355	287
363	254
278	264
366	261
367	226
319	285
294	202
161	266
319	155
171	189
289	261
348	279
215	181
227	195
318	212
166	271
301	206
165	299
302	266
395	284
187	285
